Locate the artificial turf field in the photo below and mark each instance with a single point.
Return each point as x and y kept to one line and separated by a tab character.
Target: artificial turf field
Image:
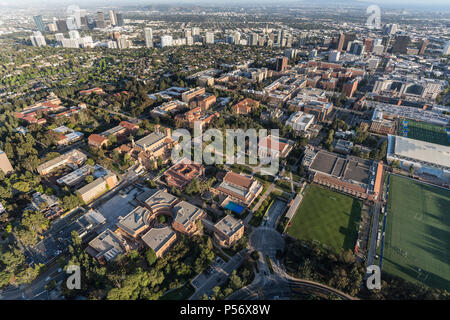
328	217
425	132
418	233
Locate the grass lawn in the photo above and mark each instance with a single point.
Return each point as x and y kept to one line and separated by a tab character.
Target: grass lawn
425	132
328	217
182	293
418	233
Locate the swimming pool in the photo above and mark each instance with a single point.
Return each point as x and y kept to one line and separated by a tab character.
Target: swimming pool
234	207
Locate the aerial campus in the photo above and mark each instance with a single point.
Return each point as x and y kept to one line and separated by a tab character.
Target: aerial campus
118	163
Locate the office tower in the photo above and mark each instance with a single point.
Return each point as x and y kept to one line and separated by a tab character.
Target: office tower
446	50
84	23
348	38
341	40
195	31
115	35
52	27
356	47
237	37
289	41
112	17
5	165
119	18
62	26
187	33
209	38
166	41
261	41
189	41
368	42
282	63
400	44
37	39
112	44
423	46
350	87
148	35
390	29
100	21
334	56
279	37
123	43
39	23
253	39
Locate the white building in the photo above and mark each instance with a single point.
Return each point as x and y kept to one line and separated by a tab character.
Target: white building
166	41
300	121
148	34
209	38
37	39
425	157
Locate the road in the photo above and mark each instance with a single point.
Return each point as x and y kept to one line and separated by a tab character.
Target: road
220	276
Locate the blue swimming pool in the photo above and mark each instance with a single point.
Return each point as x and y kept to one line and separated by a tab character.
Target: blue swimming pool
234	207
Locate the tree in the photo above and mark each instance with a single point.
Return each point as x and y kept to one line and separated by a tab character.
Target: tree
150	256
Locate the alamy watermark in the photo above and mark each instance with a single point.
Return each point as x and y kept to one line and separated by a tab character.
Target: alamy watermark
74	279
374	18
374	279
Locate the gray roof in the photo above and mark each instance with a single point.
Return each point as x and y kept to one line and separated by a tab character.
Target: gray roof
155	238
229	225
134	220
150	139
422	151
185	213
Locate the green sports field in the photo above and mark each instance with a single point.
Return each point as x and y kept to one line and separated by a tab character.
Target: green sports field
425	132
418	233
327	216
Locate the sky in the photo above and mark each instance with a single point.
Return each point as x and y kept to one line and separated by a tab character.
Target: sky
89	3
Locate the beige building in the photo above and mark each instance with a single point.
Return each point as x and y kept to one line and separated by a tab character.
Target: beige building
5	165
160	239
228	230
97	187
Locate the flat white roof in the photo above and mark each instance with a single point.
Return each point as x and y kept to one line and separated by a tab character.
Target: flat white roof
422	151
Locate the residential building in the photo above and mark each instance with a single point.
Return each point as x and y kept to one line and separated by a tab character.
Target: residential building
350	87
148	35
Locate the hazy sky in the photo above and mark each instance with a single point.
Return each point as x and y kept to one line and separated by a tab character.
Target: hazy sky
90	3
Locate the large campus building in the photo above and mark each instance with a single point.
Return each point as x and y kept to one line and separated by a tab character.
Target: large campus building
228	230
425	157
355	176
74	157
182	172
239	188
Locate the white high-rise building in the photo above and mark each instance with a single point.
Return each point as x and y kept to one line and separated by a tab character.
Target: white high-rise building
189	41
166	41
237	37
70	43
195	31
112	17
209	38
37	39
148	34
